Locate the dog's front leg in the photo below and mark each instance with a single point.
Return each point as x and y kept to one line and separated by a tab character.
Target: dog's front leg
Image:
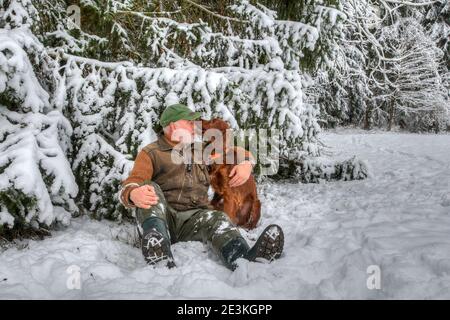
215	202
231	208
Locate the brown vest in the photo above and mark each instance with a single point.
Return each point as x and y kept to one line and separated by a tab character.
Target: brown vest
184	186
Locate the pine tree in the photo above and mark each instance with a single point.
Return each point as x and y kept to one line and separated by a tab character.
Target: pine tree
436	22
412	75
343	88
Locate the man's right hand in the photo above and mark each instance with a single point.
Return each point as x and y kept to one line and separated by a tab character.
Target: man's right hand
144	196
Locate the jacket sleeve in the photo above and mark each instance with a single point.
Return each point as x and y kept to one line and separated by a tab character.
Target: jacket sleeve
142	170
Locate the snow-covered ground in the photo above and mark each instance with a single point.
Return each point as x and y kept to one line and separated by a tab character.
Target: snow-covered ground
398	220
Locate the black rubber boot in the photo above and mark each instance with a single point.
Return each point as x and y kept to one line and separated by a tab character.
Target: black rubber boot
156	242
233	250
268	247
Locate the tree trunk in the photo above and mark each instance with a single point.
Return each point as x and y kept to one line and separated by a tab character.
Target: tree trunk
368	118
391	114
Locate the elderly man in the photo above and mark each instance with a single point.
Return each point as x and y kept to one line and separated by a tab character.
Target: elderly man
172	199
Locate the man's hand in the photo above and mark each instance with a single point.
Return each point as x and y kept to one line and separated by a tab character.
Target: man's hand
144	196
240	173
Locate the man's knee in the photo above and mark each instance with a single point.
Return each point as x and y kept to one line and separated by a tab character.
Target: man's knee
214	217
223	230
157	188
222	216
158	210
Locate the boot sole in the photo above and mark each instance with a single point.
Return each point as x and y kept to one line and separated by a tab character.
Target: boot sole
271	243
155	249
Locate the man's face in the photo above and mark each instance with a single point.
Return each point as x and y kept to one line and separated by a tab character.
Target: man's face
182	131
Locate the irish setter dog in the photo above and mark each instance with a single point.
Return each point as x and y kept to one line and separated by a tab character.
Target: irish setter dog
240	203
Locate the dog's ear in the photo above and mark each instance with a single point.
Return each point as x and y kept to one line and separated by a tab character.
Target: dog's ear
206	124
218	124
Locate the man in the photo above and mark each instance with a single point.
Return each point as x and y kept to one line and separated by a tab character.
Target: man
172	199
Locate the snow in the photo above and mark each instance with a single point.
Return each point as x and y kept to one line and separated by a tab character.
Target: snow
6	218
398	220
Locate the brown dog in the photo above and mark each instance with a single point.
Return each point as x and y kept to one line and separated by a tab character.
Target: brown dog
240	203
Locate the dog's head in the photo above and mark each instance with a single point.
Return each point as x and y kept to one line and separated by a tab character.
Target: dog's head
219	126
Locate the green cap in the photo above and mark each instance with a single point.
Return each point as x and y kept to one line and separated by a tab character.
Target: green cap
177	112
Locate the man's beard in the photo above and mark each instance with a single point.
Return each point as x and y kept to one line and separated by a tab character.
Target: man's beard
182	136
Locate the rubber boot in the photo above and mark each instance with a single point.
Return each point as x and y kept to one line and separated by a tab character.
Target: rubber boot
156	242
268	247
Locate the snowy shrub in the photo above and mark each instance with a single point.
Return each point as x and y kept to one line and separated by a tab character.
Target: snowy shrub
435	120
37	186
316	169
99	169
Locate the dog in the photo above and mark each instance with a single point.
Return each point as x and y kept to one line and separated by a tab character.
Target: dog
240	203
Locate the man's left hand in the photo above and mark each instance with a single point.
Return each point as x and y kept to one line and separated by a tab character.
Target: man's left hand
240	173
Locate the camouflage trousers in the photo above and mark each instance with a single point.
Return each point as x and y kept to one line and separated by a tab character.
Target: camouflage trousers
206	225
